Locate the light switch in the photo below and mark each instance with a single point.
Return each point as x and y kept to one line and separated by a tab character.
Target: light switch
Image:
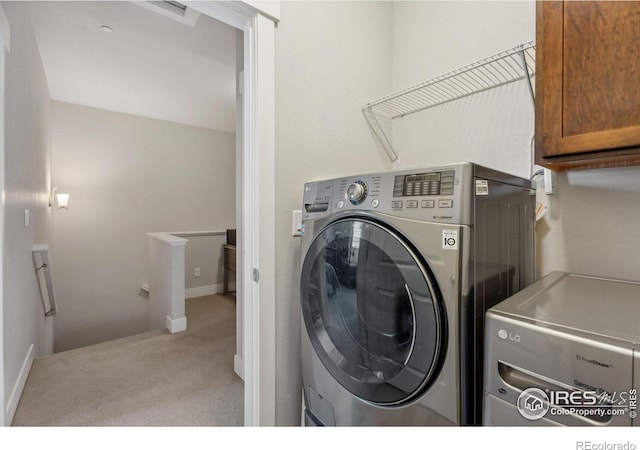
26	217
296	222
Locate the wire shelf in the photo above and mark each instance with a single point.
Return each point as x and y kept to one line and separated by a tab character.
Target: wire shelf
504	68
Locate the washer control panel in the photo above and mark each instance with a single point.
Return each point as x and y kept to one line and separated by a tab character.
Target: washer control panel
428	183
435	194
429	190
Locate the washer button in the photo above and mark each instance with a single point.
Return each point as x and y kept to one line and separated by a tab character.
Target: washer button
340	204
412	203
445	203
428	203
375	203
396	204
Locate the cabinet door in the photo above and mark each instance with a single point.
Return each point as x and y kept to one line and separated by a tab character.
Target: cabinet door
588	84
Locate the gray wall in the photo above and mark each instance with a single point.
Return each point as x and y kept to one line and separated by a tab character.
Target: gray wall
27	172
331	58
204	252
127	176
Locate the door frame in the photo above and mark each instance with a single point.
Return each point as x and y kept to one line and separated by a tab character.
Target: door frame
5	47
256	256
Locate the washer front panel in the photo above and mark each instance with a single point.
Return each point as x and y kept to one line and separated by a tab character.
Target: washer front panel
371	311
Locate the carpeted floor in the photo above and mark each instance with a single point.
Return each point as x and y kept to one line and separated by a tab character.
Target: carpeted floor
151	379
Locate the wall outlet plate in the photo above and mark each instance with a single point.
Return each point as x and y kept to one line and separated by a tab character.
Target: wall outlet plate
550	182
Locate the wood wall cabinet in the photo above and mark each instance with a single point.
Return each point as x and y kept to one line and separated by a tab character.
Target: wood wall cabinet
587	84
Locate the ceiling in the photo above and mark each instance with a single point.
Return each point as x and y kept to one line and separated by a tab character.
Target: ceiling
149	64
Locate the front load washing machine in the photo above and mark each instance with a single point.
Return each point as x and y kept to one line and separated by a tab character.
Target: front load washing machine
398	271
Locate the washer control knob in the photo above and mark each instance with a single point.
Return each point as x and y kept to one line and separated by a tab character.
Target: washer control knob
357	192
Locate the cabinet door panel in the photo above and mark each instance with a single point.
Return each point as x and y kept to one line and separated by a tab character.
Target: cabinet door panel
588	84
601	60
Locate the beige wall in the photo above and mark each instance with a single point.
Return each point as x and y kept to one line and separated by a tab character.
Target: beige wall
127	176
331	58
27	172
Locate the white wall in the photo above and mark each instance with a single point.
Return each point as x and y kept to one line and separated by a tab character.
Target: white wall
590	226
27	334
433	37
127	176
492	128
331	58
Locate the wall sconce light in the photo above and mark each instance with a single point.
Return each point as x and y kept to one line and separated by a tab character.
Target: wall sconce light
58	201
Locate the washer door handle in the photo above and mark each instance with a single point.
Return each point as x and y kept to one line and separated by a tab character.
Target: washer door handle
413	316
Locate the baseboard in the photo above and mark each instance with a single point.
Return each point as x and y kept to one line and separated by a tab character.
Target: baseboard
176	325
238	366
201	291
16	393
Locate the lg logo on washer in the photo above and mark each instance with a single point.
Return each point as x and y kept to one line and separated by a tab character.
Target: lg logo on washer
504	334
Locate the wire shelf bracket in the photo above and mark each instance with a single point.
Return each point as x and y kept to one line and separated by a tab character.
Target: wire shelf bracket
498	70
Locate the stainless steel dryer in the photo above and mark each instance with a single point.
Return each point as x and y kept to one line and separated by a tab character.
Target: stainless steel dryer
398	271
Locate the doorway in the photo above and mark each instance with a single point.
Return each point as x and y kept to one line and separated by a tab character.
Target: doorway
256	267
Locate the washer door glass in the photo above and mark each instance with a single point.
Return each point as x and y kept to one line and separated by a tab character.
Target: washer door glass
370	310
